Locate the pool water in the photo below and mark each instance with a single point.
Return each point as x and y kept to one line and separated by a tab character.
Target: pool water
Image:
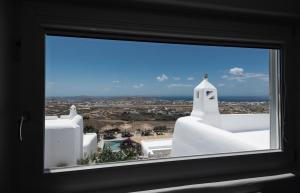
114	145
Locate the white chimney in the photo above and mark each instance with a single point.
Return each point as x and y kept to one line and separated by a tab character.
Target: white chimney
73	111
205	104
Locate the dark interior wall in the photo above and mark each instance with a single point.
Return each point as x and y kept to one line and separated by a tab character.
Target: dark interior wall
297	68
8	57
6	78
286	8
283	7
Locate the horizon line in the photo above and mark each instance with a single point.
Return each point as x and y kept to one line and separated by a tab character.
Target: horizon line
152	96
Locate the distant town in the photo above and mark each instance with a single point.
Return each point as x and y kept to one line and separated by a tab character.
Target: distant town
144	117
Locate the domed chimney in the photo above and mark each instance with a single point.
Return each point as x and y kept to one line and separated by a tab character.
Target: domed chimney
205	103
73	111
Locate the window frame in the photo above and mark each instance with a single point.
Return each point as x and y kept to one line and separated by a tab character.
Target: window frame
38	20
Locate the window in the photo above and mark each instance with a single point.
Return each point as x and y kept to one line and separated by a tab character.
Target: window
41	22
115	100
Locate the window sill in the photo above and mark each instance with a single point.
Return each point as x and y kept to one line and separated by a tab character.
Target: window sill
214	186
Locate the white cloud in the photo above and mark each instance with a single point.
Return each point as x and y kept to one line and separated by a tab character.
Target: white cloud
221	85
190	78
257	75
116	81
236	71
176	78
246	76
225	76
240	75
161	78
138	85
179	85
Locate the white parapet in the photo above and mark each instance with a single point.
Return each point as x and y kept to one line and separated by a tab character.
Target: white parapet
193	137
245	122
156	148
89	144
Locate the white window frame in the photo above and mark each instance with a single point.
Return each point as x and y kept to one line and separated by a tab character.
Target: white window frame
275	109
40	19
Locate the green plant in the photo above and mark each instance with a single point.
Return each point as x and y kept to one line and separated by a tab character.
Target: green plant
109	136
107	155
160	129
146	133
84	161
113	130
129	151
86	117
126	134
130	148
90	129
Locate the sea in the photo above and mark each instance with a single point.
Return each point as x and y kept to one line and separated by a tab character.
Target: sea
220	98
166	98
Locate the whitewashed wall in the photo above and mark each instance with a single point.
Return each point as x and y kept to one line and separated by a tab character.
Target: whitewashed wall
63	141
194	137
245	122
89	144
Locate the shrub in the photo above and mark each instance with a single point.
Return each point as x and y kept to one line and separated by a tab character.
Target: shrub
160	129
90	129
109	136
107	155
129	151
84	161
86	117
126	134
114	130
130	148
146	133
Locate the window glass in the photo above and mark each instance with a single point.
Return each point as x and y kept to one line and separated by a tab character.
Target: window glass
116	100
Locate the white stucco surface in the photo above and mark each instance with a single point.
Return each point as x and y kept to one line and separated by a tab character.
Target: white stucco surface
245	122
207	131
193	137
205	103
155	146
259	138
64	140
89	144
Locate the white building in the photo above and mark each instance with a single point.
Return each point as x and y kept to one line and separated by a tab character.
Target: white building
207	131
65	142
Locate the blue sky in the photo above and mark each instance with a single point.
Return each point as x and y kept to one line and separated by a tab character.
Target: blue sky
99	67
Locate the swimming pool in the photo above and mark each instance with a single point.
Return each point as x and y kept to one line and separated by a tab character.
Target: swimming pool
114	145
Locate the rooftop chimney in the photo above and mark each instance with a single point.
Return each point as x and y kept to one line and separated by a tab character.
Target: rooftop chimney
205	103
206	76
73	111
